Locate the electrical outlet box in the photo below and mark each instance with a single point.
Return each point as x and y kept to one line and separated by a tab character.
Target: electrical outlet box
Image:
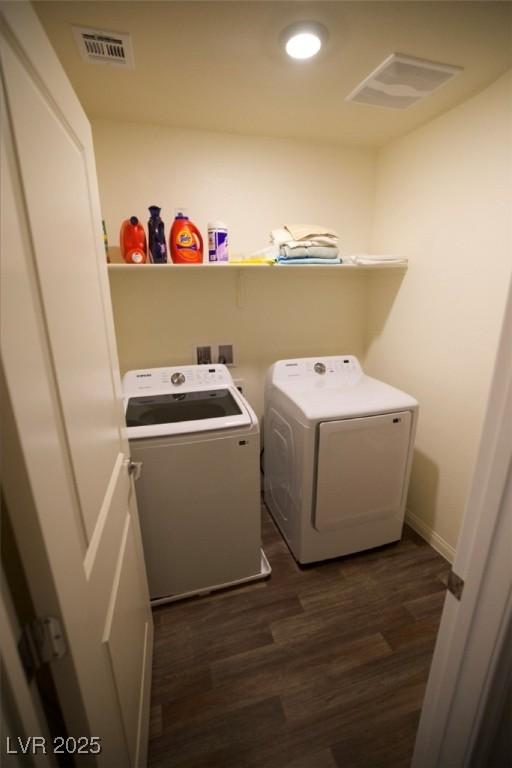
225	354
204	355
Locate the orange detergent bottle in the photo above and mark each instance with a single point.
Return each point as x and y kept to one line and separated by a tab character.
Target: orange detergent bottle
133	241
185	241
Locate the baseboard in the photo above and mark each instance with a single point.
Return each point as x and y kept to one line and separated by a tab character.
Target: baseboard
434	539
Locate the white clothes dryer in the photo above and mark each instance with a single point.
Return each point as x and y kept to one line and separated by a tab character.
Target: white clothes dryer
337	456
198	494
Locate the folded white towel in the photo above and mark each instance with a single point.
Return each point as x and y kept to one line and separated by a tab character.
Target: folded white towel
370	258
311	234
309	231
280	236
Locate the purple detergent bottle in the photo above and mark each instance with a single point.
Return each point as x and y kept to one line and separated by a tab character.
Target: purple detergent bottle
156	232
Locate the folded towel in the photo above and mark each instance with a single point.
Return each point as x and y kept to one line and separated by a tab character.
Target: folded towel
280	235
309	231
286	251
370	258
283	261
326	242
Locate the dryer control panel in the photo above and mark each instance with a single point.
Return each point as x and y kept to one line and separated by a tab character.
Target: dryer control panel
318	371
177	378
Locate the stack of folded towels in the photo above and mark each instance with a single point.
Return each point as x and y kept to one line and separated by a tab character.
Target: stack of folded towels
305	244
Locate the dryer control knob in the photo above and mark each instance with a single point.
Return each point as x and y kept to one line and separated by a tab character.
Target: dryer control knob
177	379
319	368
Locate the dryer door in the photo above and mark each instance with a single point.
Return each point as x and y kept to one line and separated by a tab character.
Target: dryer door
362	466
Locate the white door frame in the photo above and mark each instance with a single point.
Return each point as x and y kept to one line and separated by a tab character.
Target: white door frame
472	635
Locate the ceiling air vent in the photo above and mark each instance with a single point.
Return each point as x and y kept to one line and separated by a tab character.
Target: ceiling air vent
401	81
104	47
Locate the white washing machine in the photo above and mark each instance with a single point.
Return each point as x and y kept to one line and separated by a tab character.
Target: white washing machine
199	489
337	456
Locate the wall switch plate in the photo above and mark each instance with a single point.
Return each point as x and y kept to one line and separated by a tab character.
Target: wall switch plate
204	355
225	354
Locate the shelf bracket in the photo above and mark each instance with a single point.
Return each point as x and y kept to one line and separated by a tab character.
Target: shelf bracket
240	290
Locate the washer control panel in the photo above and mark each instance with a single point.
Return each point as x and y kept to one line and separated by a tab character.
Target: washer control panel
322	371
184	377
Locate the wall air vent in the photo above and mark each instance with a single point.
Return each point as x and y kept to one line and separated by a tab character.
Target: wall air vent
104	47
401	81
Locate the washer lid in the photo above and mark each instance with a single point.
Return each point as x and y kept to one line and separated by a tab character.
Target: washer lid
364	397
175	413
183	399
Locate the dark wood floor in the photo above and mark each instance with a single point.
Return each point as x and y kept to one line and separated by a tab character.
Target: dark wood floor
319	667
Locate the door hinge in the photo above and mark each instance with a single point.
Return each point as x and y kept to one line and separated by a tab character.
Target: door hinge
41	642
455	584
134	468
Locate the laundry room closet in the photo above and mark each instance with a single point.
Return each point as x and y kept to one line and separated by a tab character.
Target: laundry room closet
434	196
430	185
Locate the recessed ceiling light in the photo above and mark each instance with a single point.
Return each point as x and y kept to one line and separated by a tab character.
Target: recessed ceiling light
304	40
303	45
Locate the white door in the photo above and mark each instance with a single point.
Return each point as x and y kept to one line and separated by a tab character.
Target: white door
66	477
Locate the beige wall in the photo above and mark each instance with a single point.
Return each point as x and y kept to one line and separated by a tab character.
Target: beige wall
253	184
159	317
444	200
